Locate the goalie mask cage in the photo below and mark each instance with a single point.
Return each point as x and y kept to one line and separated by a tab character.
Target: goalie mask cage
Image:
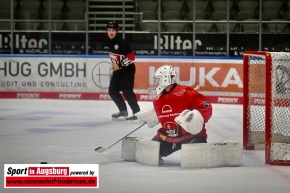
266	108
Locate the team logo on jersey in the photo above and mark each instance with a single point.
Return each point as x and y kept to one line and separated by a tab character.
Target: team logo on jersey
179	92
171	129
166	109
116	47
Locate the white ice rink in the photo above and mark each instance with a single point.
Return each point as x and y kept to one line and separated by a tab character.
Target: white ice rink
67	132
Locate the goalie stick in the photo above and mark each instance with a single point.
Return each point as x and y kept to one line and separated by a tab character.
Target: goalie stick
102	149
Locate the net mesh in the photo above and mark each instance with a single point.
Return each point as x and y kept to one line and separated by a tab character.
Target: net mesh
280	103
256	108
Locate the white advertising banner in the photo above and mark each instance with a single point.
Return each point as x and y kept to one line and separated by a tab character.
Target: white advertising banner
88	77
48	74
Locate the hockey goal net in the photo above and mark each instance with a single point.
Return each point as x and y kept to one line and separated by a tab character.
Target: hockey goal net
266	111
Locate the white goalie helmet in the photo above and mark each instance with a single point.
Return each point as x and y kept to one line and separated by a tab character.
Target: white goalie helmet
163	77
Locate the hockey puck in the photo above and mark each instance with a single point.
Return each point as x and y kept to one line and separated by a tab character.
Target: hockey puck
43	162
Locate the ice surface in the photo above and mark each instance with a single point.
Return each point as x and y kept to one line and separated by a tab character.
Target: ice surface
68	131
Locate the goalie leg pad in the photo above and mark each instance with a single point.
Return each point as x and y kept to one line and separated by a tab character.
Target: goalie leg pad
129	148
209	155
147	152
143	151
280	151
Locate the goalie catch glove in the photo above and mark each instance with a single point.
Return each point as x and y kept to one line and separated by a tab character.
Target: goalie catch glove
191	121
149	116
124	62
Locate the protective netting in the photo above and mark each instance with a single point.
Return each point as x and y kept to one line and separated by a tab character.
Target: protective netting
256	108
280	103
280	94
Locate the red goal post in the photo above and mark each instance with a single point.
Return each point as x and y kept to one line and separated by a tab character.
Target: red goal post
266	107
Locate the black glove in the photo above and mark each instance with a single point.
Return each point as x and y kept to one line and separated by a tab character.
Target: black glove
124	62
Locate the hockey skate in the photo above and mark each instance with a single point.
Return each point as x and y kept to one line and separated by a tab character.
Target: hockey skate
120	116
161	161
133	118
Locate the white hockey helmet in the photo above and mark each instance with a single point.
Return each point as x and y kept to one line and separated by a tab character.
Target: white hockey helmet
163	77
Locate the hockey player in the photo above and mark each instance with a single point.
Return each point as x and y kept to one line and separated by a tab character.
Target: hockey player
181	110
123	74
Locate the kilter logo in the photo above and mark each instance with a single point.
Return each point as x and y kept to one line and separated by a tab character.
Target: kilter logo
116	47
166	109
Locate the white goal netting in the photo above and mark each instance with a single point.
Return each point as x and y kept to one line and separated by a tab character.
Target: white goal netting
266	99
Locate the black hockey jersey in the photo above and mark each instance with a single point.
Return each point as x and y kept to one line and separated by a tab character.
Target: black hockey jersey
119	49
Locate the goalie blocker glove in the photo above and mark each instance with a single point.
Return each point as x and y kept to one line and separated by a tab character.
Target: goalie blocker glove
191	121
125	62
148	116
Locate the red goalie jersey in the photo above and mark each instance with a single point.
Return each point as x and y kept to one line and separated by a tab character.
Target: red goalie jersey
169	105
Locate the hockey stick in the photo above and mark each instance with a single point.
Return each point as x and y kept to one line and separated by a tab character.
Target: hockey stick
101	149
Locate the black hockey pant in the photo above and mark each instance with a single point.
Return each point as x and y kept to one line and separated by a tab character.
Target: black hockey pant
123	80
168	148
